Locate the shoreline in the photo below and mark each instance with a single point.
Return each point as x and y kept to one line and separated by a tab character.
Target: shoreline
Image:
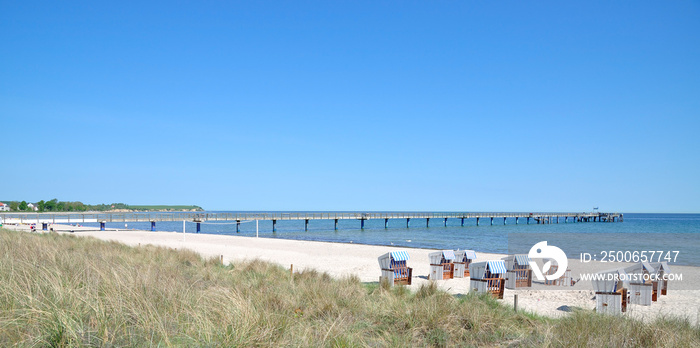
353	259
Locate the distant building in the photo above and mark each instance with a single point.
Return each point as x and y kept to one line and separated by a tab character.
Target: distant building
4	207
33	207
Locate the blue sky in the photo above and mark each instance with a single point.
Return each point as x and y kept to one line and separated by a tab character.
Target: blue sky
348	105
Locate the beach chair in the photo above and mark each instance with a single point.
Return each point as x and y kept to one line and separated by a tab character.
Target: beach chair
441	265
519	273
487	277
565	280
611	292
662	270
641	288
462	260
395	269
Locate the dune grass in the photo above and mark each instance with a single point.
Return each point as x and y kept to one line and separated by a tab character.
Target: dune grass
61	290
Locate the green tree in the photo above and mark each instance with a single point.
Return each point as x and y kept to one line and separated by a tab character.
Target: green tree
40	205
14	206
23	206
51	205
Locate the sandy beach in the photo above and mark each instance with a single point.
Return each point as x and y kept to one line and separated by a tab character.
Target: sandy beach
340	260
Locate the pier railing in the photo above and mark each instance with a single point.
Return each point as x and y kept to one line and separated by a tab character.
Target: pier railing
245	216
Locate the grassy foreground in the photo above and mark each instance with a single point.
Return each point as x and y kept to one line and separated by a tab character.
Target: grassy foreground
72	291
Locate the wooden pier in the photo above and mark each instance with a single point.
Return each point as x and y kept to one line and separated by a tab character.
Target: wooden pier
198	217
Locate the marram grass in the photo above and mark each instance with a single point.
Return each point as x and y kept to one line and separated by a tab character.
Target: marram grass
65	291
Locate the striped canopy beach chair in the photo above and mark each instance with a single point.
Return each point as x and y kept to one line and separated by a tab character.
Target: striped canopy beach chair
519	272
487	277
395	269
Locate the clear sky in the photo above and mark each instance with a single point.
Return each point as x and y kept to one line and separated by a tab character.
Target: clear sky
350	105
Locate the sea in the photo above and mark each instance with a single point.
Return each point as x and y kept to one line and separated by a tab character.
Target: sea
671	237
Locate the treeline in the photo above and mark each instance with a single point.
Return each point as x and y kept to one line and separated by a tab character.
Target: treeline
55	205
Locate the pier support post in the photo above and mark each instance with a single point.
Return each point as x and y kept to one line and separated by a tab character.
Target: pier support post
386	223
427	222
621	218
445	222
274	225
462	222
199	227
504	220
557	219
407	221
516	220
566	219
477	221
336	224
238	226
102	225
528	220
491	221
153	226
362	223
306	224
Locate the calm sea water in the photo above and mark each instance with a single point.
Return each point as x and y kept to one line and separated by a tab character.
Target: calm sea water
677	232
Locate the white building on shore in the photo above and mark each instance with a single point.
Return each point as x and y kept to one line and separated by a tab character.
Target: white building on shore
4	207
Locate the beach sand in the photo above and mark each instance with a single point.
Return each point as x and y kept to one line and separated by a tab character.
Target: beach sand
340	260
